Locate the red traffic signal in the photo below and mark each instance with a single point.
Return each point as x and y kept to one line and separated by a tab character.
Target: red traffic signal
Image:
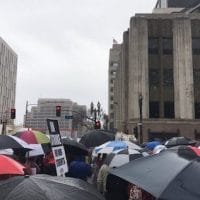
58	111
12	113
97	125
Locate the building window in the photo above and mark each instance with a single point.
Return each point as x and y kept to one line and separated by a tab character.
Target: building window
167	44
154	109
196	46
168	109
153	45
168	79
197	110
196	77
154	77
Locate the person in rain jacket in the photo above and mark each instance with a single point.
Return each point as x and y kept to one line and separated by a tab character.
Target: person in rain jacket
79	169
101	178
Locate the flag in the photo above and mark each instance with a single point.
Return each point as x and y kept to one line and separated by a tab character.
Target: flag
115	41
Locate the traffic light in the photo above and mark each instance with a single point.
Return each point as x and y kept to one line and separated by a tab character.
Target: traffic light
58	111
97	125
12	113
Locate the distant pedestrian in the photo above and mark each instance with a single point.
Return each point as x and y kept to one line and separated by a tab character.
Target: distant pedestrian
101	178
79	169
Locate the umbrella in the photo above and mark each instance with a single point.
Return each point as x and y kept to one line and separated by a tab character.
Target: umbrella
121	157
38	149
165	176
10	166
33	137
159	148
12	142
188	152
175	141
96	137
111	146
152	145
73	147
46	187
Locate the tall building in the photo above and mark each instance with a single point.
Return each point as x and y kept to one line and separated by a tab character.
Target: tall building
114	60
46	108
160	65
8	76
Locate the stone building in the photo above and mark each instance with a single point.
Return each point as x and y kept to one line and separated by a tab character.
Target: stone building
160	62
46	108
8	76
114	62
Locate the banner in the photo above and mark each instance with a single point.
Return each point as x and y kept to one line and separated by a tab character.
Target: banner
57	147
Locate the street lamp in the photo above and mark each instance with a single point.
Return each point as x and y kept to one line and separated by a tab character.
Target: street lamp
96	112
140	122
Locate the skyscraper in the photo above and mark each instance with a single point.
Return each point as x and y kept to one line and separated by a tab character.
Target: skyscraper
8	75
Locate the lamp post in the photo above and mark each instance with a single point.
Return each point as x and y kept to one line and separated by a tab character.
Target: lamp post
95	111
140	121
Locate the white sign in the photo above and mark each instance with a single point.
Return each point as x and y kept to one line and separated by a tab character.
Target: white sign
60	160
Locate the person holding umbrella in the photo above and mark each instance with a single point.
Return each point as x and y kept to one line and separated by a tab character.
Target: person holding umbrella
79	169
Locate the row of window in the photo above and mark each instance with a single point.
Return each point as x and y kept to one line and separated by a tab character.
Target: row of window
154	110
165	45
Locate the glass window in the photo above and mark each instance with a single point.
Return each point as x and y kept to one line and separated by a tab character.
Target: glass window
168	79
154	109
154	77
196	46
197	110
153	45
167	44
169	109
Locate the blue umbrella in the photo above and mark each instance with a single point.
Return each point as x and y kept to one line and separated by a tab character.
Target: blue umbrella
152	145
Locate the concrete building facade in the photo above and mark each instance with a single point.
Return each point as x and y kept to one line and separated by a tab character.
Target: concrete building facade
8	76
159	62
114	62
46	108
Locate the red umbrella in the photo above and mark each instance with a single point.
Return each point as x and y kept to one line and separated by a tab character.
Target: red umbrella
10	166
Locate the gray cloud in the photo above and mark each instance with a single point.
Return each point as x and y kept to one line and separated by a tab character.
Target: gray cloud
63	45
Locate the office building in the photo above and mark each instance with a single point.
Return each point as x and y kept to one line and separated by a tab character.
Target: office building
8	76
160	65
70	122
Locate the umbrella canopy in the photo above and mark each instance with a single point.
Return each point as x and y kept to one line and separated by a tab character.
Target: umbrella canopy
159	148
165	175
10	166
46	187
111	146
96	137
39	149
121	157
188	152
175	141
33	137
152	145
12	142
73	147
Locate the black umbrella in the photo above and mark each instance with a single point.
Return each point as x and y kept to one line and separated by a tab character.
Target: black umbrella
166	176
44	187
188	152
175	141
12	142
73	147
96	137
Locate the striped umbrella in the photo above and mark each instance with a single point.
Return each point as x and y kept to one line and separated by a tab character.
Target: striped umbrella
33	137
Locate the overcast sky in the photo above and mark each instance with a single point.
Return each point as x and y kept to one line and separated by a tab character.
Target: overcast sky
63	46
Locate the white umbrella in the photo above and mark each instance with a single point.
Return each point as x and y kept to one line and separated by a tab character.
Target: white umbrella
37	150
